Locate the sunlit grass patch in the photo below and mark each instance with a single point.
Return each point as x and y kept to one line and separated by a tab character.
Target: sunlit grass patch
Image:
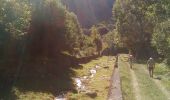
49	86
99	83
32	95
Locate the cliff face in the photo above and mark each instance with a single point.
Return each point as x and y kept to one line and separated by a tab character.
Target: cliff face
90	12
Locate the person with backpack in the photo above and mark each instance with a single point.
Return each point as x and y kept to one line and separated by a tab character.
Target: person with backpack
130	60
151	66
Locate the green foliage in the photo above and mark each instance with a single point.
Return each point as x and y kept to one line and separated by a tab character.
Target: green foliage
14	22
92	43
161	39
73	31
161	35
134	23
54	30
47	29
96	38
15	16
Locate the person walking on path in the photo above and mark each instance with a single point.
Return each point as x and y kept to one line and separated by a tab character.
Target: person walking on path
151	66
130	60
116	61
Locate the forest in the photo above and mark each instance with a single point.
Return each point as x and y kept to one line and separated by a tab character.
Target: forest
41	41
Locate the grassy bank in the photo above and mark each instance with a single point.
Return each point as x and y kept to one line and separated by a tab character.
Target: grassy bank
46	88
162	72
126	80
99	83
148	89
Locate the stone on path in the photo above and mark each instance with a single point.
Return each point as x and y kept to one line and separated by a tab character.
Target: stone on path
91	94
60	97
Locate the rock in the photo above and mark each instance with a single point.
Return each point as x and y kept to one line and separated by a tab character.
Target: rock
97	66
91	94
60	97
106	67
93	71
85	77
78	82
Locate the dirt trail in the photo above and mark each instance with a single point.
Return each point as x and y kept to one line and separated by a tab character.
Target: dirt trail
135	85
160	86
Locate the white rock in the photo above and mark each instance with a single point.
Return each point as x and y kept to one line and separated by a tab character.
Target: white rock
60	97
85	77
97	66
93	71
78	82
92	75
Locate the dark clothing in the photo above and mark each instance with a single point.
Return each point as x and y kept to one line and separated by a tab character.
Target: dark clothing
116	61
151	66
150	71
130	61
116	65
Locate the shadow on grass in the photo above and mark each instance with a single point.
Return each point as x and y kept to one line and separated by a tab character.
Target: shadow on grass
50	76
158	78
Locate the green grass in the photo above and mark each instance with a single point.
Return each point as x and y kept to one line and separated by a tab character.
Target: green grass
148	88
163	72
32	95
97	83
49	82
126	81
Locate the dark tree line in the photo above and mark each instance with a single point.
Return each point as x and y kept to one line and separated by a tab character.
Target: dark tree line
143	26
42	28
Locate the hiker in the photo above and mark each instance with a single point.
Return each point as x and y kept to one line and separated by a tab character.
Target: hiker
116	61
130	60
151	66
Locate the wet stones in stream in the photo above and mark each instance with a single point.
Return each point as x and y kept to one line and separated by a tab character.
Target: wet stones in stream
81	82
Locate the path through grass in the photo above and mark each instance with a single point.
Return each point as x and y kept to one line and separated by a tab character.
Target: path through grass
149	90
126	80
146	88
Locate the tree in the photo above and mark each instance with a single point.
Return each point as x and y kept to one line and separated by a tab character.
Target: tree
161	35
52	31
134	24
95	35
161	39
73	32
14	21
